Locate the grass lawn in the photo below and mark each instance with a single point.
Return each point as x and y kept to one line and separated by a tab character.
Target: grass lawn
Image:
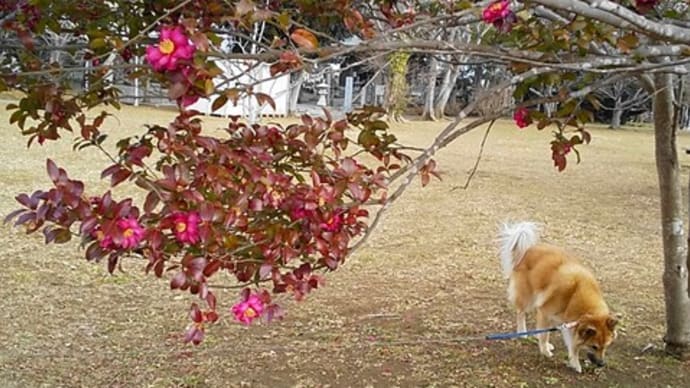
391	316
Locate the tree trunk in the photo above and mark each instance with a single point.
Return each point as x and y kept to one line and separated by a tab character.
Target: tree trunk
685	117
430	93
396	100
549	107
616	115
446	90
675	277
295	90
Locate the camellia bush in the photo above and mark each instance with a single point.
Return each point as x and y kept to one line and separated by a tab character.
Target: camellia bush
272	207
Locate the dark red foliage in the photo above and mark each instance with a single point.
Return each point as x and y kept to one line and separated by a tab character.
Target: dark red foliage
275	205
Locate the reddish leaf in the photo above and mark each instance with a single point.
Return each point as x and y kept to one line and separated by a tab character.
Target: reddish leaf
195	313
178	281
425	178
194	334
53	171
262	98
265	271
219	102
119	177
212	316
13	214
151	202
304	39
25	200
200	41
212	267
112	262
243	7
211	301
353	20
177	90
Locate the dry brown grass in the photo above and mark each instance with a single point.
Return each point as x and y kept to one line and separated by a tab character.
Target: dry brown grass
429	272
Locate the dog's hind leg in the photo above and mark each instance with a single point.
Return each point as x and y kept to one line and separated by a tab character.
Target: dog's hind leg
545	346
515	296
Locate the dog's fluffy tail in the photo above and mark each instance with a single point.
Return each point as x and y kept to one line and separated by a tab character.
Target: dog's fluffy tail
514	240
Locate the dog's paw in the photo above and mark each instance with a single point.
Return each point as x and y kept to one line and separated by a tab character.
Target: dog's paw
575	366
547	351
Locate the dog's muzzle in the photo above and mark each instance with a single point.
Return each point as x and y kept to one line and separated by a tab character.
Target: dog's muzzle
595	360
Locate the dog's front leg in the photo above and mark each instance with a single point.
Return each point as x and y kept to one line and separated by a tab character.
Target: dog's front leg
545	346
521	321
573	356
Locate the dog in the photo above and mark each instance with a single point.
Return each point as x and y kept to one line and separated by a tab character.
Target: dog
547	279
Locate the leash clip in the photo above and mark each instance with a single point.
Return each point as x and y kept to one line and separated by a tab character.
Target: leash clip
567	325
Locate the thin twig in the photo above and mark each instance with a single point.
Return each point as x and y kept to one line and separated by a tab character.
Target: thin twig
479	158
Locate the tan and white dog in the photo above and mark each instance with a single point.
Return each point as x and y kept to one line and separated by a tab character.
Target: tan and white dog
547	279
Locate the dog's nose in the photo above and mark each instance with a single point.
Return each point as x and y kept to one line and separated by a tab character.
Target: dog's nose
596	360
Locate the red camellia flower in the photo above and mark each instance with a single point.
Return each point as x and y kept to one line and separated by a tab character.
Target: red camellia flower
186	227
248	310
131	231
334	224
127	234
500	15
173	47
300	213
522	117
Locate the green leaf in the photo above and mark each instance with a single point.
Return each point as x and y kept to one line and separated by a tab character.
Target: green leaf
97	43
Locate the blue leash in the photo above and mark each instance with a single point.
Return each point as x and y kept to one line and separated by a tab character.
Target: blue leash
505	336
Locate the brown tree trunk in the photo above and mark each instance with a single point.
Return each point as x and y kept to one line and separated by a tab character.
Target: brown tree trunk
675	277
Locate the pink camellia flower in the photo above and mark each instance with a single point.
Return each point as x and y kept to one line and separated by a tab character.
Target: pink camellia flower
104	241
172	47
131	231
334	224
500	15
248	310
186	227
522	117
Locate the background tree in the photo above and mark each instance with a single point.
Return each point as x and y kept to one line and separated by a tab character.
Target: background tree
620	97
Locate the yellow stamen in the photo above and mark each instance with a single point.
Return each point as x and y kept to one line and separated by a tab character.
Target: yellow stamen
249	312
128	233
167	46
100	235
493	7
276	195
180	227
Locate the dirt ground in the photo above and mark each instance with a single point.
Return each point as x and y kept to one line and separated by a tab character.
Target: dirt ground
402	312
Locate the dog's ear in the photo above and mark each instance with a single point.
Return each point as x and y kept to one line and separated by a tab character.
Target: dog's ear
611	323
587	332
